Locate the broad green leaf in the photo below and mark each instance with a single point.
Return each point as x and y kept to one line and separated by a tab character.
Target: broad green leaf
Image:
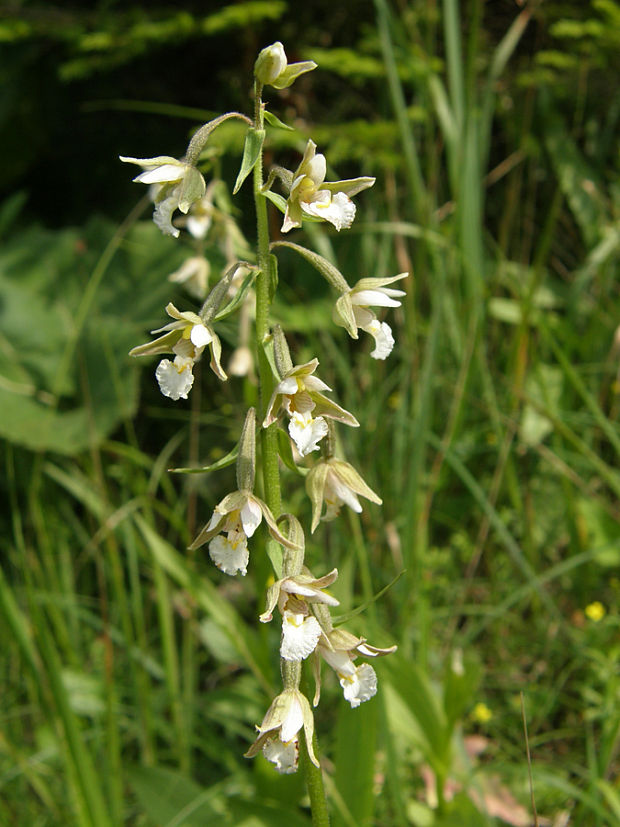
355	757
169	798
422	701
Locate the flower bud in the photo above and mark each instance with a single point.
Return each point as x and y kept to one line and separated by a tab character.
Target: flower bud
272	67
270	63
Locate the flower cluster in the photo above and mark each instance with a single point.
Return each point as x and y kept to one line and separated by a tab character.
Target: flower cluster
289	393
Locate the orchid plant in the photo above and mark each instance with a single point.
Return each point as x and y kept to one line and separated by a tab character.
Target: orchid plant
287	392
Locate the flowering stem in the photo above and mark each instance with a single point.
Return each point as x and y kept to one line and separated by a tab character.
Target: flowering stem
269	436
269	445
314	782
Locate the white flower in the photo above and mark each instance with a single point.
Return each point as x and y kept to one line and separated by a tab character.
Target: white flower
300	635
200	216
230	554
237	516
307	432
300	629
332	483
352	311
193	274
359	683
277	738
382	334
312	195
340	648
299	394
186	337
175	379
283	756
273	68
180	185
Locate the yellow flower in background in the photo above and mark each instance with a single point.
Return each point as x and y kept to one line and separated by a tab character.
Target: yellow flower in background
481	713
595	611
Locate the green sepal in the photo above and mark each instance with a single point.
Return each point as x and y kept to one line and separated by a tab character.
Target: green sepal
344	316
353	480
246	461
272	120
164	344
329	272
290	74
315	488
276	199
286	454
192	189
224	462
252	148
350	187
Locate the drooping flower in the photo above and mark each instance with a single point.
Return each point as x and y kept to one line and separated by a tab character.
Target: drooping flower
180	185
339	649
312	195
352	311
237	516
299	394
333	482
186	337
193	274
278	733
293	595
273	69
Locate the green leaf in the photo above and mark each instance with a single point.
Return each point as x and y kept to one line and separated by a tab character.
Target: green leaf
224	462
415	690
356	742
169	798
238	297
272	120
252	149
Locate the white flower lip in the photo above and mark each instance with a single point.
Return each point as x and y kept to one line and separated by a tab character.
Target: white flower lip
175	379
230	554
300	636
307	432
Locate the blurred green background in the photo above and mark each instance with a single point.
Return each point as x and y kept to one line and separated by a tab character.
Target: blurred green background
131	685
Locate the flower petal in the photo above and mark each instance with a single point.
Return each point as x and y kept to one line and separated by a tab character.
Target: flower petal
378	298
162	215
251	515
382	333
307	432
175	381
284	756
230	554
200	335
361	687
300	636
338	209
166	173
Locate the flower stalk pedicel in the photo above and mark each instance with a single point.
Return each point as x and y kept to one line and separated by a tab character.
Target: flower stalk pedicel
288	392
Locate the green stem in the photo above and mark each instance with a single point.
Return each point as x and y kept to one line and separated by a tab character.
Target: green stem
269	436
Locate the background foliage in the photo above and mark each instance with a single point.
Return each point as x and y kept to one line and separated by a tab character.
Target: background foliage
131	685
